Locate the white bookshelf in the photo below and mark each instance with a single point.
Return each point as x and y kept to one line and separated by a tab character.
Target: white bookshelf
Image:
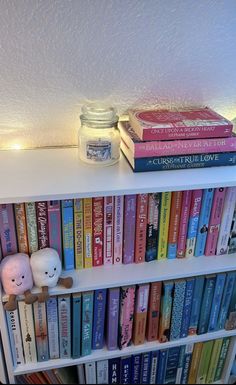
34	175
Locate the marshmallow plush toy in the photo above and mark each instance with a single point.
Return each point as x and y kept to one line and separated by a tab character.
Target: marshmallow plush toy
46	269
16	277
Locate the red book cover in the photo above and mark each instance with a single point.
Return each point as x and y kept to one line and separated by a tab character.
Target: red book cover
141	227
153	311
42	221
98	214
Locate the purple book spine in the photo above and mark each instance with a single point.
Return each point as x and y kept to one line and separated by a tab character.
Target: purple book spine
113	318
54	226
7	230
129	229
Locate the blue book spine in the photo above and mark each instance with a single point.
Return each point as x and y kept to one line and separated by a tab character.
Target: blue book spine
99	318
154	366
145	370
125	370
204	221
187	307
177	311
136	368
196	305
53	327
161	371
228	290
216	303
76	325
87	323
206	304
172	365
187	363
114	371
180	365
68	234
177	162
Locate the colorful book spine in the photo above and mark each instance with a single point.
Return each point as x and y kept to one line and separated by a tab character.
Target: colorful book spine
136	368
126	316
154	202
190	282
208	294
42	223
21	228
15	337
164	225
166	308
177	311
7	230
193	222
180	365
183	226
108	230
175	213
214	361
27	331
113	303
88	233
196	305
197	351
222	358
230	323
129	229
140	316
100	296
102	372
141	226
215	220
98	219
54	225
204	362
226	221
145	369
228	290
68	234
114	371
232	236
125	370
87	323
163	354
118	229
64	317
172	365
153	311
53	330
203	223
32	230
154	366
41	331
186	363
79	233
76	325
90	373
216	302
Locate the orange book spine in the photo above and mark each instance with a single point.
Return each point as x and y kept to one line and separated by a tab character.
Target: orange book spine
153	311
140	316
175	213
141	227
21	228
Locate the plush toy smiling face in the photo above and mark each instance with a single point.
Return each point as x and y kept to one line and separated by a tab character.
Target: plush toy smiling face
46	267
16	274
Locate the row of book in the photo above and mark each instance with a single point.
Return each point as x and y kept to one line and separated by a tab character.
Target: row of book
124	229
72	326
155	140
200	363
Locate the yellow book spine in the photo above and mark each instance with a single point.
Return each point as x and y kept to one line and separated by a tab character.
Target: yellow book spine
88	258
79	233
214	361
164	225
195	363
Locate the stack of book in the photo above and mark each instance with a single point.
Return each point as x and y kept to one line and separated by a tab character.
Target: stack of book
155	140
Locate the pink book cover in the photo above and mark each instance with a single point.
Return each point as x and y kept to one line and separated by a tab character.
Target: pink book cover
98	222
215	220
54	226
7	230
42	221
118	229
129	228
183	226
126	316
141	227
146	149
179	124
108	230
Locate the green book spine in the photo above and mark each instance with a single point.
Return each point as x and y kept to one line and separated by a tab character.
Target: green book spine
204	362
87	323
221	362
214	361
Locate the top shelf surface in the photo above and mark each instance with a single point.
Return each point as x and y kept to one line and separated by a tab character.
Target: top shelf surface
44	174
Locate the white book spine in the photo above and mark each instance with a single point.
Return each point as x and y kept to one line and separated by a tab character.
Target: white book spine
53	331
226	221
81	374
102	372
118	229
90	373
41	331
15	337
153	370
64	316
27	330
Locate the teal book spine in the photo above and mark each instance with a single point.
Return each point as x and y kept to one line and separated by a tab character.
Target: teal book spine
76	325
206	304
87	323
216	303
228	291
177	312
68	233
196	305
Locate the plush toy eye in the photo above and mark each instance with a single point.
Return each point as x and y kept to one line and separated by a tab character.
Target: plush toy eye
46	272
23	277
55	268
13	280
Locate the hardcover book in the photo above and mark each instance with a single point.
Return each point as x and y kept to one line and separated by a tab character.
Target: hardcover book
118	229
226	221
176	204
27	331
136	369
153	311
113	304
196	305
64	317
125	370
166	308
100	296
68	233
54	225
183	226
87	323
41	331
88	233
154	201
129	228
53	327
164	225
114	371
7	230
108	230
140	316
188	299
177	311
216	302
141	227
193	222
15	337
98	219
42	224
76	325
208	294
79	233
32	230
21	228
127	301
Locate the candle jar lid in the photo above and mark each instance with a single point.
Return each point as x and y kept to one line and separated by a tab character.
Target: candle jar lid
98	114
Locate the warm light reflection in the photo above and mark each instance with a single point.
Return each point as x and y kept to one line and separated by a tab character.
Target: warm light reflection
16	146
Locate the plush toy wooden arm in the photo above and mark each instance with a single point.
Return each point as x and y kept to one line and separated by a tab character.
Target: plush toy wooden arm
46	269
17	279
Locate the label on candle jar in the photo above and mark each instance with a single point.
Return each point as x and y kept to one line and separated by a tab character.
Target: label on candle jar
98	151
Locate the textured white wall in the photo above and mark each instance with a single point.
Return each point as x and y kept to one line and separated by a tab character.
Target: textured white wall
54	54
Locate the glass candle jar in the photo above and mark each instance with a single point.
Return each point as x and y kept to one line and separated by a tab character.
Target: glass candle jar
99	136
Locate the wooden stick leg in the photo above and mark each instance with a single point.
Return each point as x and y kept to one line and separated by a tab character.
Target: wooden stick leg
11	305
